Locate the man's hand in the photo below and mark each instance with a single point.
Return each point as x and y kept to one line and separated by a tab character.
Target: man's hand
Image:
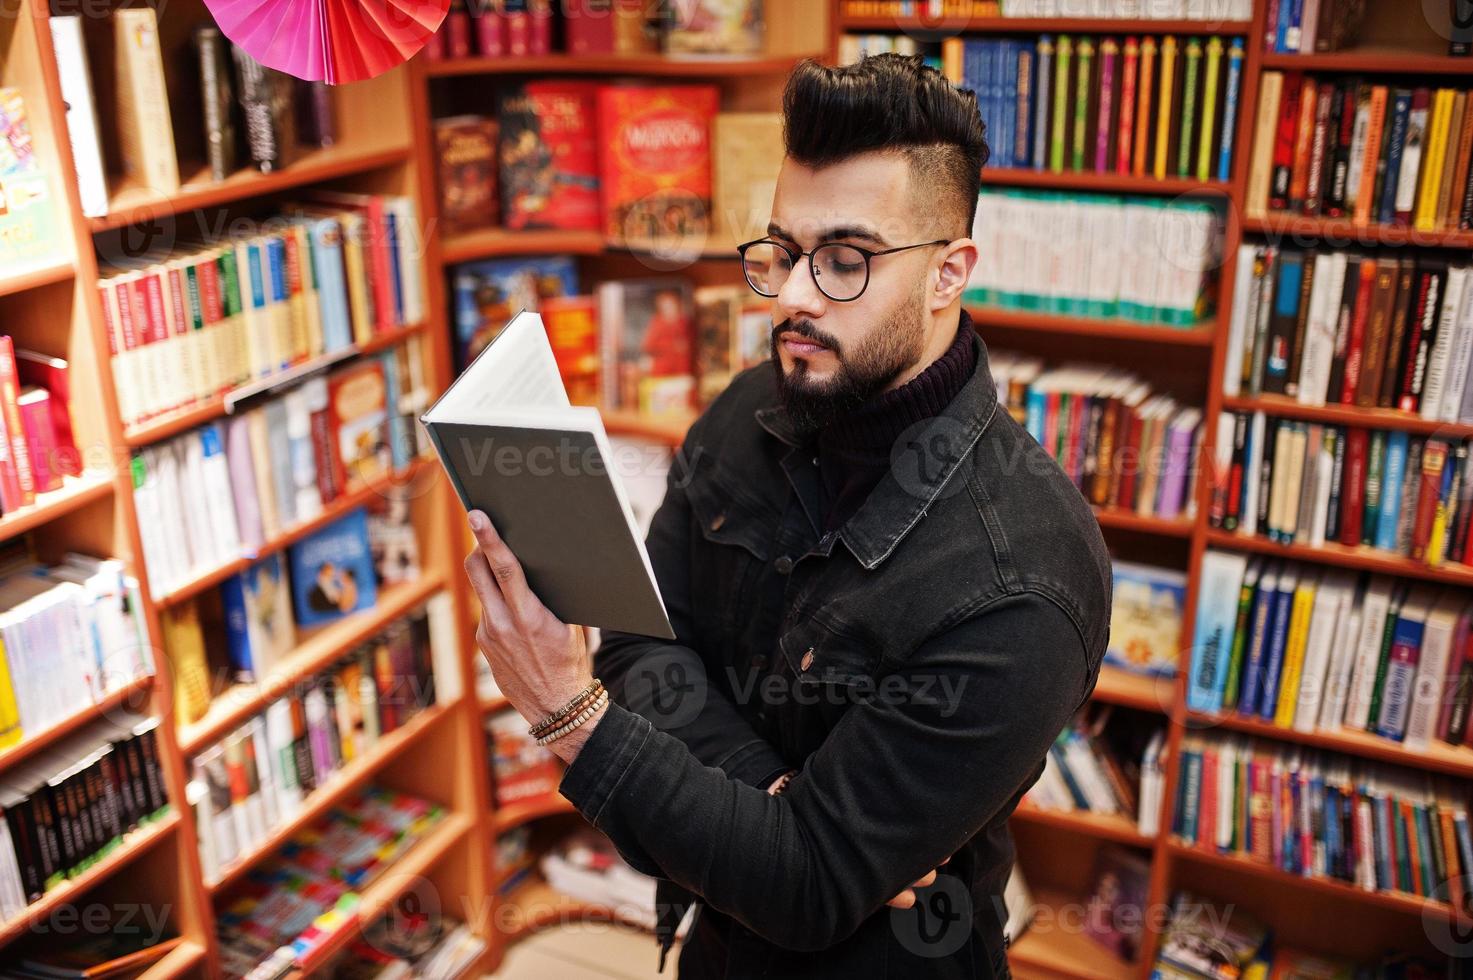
907	897
539	662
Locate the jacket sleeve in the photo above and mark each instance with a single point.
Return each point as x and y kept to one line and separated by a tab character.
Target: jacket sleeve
667	683
900	784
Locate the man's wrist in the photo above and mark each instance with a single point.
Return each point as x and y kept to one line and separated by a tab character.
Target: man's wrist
568	746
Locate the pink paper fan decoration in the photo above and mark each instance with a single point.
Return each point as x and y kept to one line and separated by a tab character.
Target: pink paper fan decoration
334	41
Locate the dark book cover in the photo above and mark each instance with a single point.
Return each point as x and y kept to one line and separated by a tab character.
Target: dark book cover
1429	302
1301	324
1403	303
1320	148
265	102
1460	44
316	115
466	153
218	100
1395	144
1284	321
1378	326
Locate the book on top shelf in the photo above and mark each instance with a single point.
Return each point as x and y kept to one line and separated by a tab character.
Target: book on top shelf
502	431
332	572
655	163
548	156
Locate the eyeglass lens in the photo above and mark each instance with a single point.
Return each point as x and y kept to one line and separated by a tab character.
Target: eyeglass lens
840	270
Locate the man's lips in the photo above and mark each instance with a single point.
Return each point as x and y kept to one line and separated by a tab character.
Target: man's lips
798	344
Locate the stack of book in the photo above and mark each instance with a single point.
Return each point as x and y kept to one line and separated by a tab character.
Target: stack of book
853	48
70	634
190	324
1310	648
1312	26
1346	328
520	768
309	891
37	447
1145	107
1321	815
248	114
1116	771
1349	148
419	948
1307	483
240	484
1142	259
1120	444
70	806
585	866
256	778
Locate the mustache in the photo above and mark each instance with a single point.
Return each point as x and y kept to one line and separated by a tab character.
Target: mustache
806	330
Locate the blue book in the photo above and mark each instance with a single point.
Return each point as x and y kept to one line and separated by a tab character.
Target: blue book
332	571
1295	32
1212	639
1265	603
332	284
1465	841
396	280
258	618
1281	32
1401	107
1007	91
986	100
1057	751
1268	700
1285	315
1375	488
481	290
401	426
1393	474
1037	409
1230	110
279	289
1023	109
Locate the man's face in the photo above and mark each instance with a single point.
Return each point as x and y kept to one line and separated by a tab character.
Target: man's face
832	356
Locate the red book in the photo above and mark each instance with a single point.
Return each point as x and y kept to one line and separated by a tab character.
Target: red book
180	326
1353	487
1355	347
377	248
15	433
1303	147
1130	460
655	162
518	29
324	453
1434	458
1287	130
588	26
539	26
490	31
458	32
549	149
52	374
212	307
1129	63
1207	814
1406	401
1260	810
35	421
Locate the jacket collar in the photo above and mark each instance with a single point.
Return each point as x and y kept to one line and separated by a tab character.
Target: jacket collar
926	459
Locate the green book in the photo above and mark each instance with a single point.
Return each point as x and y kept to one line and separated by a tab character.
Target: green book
1188	107
1241	629
1375	466
1061	102
1384	656
1082	95
1209	108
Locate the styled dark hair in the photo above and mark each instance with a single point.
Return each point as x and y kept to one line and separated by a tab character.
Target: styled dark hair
890	102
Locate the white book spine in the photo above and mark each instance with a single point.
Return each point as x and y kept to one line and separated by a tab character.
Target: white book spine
1368	654
81	113
1437	361
1462	355
1232	371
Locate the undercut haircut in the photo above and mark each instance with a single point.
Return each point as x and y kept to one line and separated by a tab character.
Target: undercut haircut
895	103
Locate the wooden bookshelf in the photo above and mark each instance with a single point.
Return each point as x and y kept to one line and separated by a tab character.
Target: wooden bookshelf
129	695
534	905
1131	690
647	66
1062	950
1347	415
76	492
1432	60
43	273
1201	335
1344	232
1106	826
1101	183
513	815
1332	553
1038	25
182	961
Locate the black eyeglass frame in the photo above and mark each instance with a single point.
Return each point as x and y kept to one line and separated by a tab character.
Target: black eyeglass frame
795	256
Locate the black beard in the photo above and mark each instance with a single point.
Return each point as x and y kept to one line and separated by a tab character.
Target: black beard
812	408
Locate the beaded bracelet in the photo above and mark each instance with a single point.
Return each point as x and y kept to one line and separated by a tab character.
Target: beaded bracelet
576	721
579	701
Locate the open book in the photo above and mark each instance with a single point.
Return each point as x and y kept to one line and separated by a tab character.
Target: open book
541	469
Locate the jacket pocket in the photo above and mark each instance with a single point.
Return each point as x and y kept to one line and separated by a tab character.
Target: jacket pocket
817	652
727	557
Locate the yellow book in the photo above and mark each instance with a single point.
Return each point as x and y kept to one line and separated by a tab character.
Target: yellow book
1164	105
1294	651
1143	110
184	642
1260	167
359	300
1209	107
1429	181
951	59
311	320
10	730
145	130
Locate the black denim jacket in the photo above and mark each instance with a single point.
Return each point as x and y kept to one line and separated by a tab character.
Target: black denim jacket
914	667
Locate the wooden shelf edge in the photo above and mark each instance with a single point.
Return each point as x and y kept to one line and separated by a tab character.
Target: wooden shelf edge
1368	559
1394	901
493	242
669	429
234	706
76	492
1392	60
329	164
350	501
32	744
1144	692
1346	233
181	420
340	785
1032	25
1000	318
183	960
134	844
1104	182
524	811
1127	520
395	880
1058	951
1347	415
549	907
47	272
692	66
1111	827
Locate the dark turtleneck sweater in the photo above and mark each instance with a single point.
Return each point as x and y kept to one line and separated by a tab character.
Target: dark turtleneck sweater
854	452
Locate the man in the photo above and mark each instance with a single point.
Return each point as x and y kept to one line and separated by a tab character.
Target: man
888	599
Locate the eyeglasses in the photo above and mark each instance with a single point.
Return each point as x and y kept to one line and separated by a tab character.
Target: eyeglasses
840	271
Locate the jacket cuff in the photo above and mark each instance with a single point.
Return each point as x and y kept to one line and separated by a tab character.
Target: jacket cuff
593	777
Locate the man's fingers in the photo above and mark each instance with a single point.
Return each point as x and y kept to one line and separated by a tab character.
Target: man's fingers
925	880
479	572
511	582
905	900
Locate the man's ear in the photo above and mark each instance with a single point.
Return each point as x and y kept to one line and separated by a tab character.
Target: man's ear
957	261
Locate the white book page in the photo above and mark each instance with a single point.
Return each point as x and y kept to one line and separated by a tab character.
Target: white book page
516	371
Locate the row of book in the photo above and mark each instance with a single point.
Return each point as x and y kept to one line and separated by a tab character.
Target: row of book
1306	483
309	892
634	163
521	769
243	112
70	634
854	48
1313	649
1344	147
190	323
37	446
71	805
1121	444
1207	10
421	948
653	344
497	28
1323	815
229	488
257	777
1086	770
1345	328
1148	107
1142	259
1312	25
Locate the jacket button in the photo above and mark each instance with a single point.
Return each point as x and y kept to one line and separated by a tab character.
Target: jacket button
784	565
717	521
807	660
